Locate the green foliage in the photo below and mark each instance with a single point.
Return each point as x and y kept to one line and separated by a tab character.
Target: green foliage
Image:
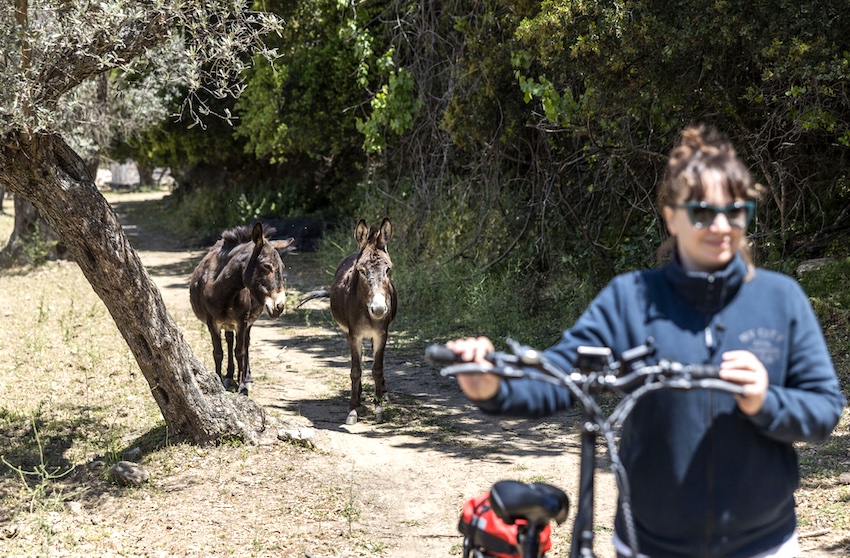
201	213
445	300
178	147
50	48
292	146
451	284
827	284
393	110
484	106
307	102
204	212
626	76
34	247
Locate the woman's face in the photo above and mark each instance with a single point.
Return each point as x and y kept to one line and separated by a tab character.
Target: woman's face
712	246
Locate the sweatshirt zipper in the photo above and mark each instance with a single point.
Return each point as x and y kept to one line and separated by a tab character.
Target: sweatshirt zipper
711	345
709	299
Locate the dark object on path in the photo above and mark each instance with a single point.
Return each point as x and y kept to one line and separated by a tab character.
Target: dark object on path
306	231
240	276
363	303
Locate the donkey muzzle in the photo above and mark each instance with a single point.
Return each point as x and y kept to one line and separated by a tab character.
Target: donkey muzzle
378	307
274	304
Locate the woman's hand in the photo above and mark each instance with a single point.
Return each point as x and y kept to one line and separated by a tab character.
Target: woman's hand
477	387
743	367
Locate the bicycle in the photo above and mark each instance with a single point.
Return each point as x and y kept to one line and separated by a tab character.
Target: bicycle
596	372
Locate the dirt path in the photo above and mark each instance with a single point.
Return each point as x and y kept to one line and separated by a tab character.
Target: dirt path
405	479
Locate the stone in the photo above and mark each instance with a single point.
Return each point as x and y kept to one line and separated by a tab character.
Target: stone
127	473
302	436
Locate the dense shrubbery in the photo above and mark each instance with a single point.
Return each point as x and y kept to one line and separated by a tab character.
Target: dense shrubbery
518	143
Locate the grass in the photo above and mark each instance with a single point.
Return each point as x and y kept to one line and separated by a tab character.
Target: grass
65	362
73	394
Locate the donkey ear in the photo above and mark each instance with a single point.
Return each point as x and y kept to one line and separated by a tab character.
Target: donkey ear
284	246
257	233
361	232
386	232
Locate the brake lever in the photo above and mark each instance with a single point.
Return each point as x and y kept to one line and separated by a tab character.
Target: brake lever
714	384
722	385
474	368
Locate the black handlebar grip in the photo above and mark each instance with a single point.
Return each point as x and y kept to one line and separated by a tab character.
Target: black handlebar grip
700	371
440	354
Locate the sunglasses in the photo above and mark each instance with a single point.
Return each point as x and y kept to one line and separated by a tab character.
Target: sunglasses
702	214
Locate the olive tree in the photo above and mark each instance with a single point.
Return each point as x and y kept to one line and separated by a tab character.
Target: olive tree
49	50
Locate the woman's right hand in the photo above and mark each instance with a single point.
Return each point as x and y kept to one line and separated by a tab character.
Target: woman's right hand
477	387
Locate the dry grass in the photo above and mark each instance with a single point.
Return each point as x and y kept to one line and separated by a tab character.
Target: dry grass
73	402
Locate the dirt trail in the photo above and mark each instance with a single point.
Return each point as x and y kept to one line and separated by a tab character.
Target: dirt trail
409	476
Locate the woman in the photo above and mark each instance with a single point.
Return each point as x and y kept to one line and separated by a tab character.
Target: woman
711	474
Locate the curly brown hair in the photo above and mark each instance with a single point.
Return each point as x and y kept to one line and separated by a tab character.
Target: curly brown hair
702	154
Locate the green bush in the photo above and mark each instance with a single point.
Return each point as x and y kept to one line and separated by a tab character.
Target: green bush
826	287
205	211
827	284
442	301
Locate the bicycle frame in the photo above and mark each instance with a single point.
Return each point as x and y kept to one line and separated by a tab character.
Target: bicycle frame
582	543
597	372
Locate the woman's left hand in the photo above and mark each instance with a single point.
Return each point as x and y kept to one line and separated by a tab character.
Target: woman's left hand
743	367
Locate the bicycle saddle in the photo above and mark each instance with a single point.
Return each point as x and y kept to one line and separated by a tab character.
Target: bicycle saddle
535	502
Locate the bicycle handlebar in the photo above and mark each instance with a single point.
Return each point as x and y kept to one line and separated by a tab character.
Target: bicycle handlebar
440	354
598	373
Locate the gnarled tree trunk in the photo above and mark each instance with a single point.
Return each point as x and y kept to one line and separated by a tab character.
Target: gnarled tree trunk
44	170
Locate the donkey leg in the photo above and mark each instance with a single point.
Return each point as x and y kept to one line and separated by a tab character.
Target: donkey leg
218	352
355	344
228	379
243	339
379	343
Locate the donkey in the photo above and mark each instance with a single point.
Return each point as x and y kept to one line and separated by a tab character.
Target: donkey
363	303
241	275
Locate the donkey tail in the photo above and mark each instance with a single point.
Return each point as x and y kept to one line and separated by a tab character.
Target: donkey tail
314	295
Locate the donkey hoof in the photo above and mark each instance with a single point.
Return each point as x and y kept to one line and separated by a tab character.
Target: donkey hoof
243	389
379	414
352	417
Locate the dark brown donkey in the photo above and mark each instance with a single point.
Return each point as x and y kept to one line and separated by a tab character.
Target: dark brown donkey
240	276
363	303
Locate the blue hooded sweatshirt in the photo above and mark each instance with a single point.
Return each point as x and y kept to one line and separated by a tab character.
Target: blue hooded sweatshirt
706	480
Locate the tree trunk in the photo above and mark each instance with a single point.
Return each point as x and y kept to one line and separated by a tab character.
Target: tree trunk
145	176
44	170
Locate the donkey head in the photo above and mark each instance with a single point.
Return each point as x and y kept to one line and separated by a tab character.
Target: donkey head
374	265
263	275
